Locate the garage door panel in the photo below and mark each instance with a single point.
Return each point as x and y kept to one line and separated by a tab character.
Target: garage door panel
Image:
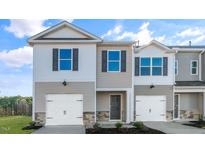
150	108
64	109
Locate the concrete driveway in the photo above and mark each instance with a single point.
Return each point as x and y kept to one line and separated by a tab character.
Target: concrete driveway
174	128
61	130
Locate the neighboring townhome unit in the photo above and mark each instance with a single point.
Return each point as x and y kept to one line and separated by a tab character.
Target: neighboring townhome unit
189	89
153	82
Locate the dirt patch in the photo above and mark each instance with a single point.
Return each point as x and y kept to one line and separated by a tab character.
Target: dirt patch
198	124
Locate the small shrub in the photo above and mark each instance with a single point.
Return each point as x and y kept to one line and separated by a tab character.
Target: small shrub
138	125
201	118
96	125
118	125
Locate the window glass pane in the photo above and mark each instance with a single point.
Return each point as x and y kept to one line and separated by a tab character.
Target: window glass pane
156	71
65	53
65	64
194	64
145	71
114	55
114	66
193	70
156	61
145	61
176	67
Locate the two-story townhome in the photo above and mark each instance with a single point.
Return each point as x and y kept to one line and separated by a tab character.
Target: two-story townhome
78	78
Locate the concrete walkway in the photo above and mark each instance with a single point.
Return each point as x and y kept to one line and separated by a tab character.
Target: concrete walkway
61	130
174	128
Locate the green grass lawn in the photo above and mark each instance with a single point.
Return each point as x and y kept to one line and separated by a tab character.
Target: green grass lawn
14	124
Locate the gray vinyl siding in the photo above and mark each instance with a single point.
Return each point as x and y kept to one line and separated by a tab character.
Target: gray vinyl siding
184	62
85	88
103	102
203	66
166	90
191	102
114	79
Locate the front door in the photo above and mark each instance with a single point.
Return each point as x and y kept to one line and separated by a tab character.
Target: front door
115	107
176	107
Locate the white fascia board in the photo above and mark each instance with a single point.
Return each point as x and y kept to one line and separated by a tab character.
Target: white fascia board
189	89
158	44
61	41
189	49
113	89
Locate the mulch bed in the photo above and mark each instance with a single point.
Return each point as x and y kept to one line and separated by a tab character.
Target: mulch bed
144	130
198	124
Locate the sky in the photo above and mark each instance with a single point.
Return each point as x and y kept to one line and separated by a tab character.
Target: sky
16	54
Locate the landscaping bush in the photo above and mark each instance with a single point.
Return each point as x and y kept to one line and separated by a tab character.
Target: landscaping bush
138	125
96	126
118	125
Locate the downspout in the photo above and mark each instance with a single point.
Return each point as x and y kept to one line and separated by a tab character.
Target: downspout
200	65
173	93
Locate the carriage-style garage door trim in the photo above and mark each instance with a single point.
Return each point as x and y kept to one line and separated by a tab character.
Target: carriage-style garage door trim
64	109
150	108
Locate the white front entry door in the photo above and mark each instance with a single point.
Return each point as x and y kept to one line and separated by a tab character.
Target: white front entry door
64	109
150	108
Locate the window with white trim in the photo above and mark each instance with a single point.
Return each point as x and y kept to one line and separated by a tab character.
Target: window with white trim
151	66
194	67
176	67
145	66
65	59
157	66
113	61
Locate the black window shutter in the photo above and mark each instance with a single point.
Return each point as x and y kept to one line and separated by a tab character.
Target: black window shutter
55	59
137	66
104	61
123	61
165	66
75	59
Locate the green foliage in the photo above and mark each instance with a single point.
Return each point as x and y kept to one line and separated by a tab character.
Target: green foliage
96	125
138	125
201	118
14	124
118	125
12	100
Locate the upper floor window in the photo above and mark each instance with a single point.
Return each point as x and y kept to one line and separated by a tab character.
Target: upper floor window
151	66
145	66
157	66
194	67
113	61
176	67
65	59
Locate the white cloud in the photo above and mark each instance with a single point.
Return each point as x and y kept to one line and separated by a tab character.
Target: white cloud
195	31
17	58
21	28
116	30
70	20
144	35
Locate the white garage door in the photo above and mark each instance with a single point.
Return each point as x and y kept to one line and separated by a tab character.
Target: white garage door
64	109
150	108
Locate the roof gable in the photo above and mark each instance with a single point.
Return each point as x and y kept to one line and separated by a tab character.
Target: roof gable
64	32
155	43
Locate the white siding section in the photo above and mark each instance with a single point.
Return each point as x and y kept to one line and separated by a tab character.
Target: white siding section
153	51
43	64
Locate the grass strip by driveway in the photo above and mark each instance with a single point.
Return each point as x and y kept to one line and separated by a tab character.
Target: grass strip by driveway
14	124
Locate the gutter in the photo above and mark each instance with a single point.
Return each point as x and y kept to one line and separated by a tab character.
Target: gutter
200	65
